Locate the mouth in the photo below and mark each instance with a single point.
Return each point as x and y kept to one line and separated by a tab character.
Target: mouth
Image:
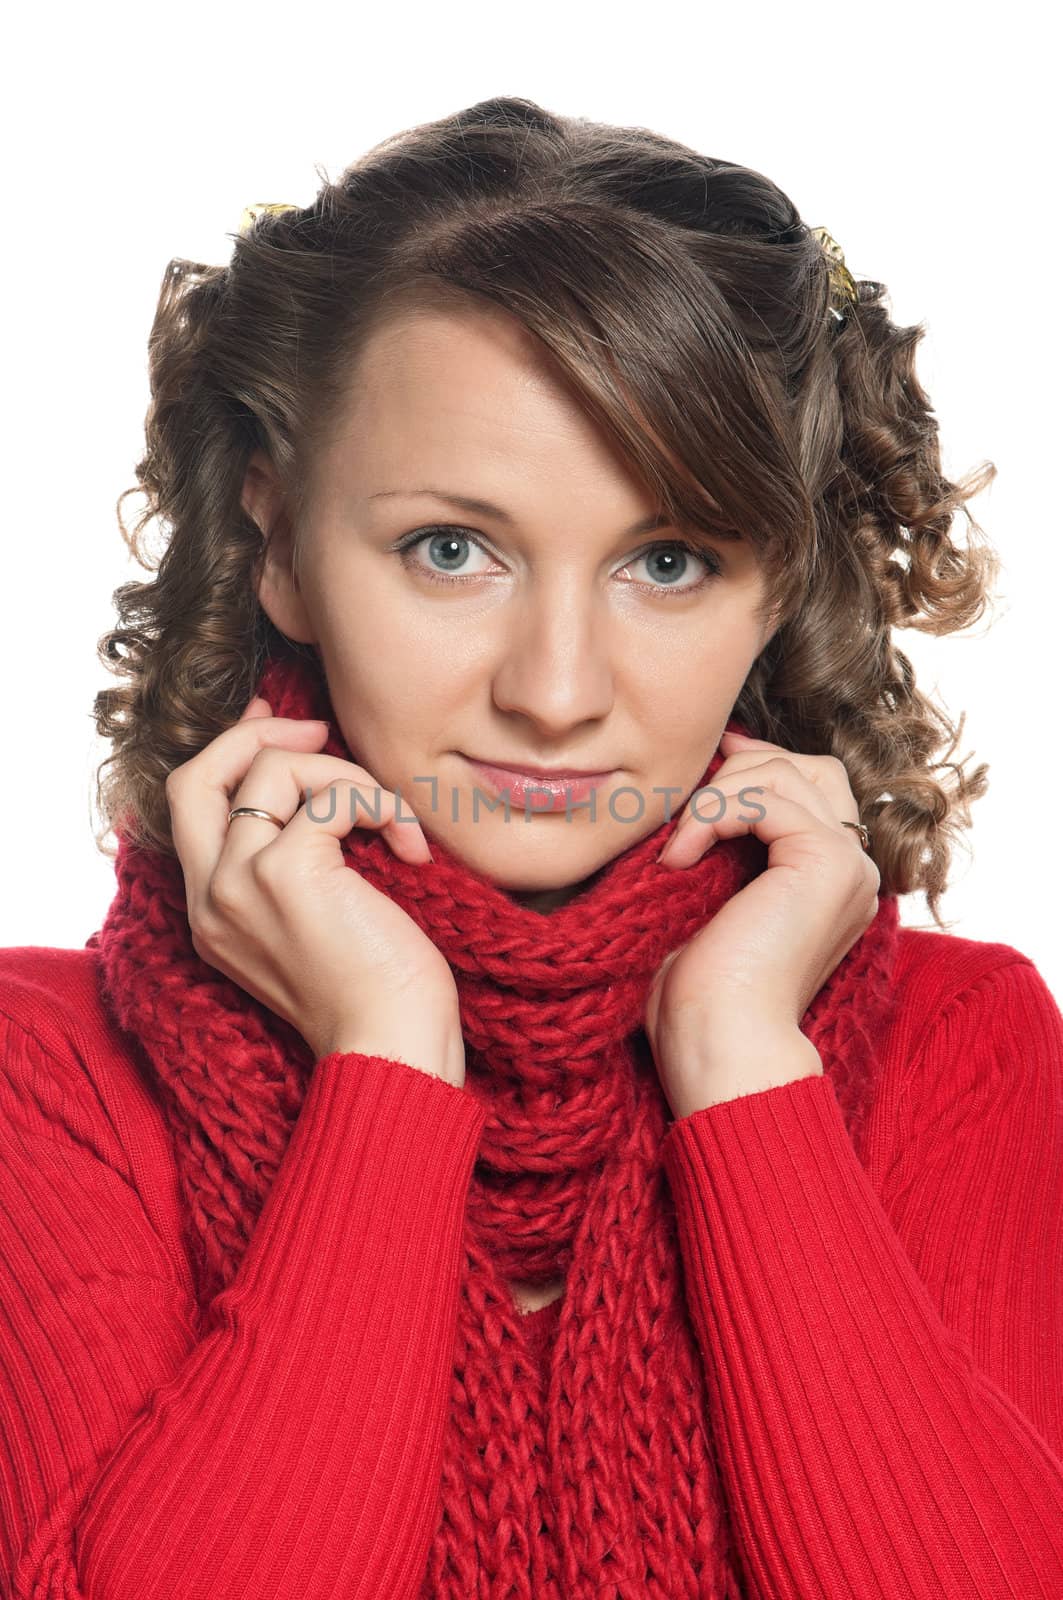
546	789
527	770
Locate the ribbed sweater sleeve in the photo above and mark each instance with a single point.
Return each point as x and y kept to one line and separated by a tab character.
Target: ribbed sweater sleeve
296	1448
885	1361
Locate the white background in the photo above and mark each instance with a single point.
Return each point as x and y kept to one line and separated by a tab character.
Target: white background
922	140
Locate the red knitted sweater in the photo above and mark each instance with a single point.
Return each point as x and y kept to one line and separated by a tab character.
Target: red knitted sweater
889	1338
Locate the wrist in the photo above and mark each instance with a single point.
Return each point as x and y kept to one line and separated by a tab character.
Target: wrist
720	1065
439	1051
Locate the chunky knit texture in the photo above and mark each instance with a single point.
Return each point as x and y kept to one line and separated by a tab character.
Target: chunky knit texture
569	1181
585	1461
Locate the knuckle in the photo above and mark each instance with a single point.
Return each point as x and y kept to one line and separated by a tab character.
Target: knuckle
850	858
204	928
202	944
322	800
867	876
265	867
174	781
856	857
349	777
269	758
224	895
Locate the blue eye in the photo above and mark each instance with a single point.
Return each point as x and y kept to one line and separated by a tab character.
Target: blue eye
450	543
447	544
668	548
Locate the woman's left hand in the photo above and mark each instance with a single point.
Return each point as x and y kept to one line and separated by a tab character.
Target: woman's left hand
723	1012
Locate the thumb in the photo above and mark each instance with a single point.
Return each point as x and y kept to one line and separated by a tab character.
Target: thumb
256	707
667	962
653	998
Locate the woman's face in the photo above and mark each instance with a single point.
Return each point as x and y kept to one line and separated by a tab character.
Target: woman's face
547	631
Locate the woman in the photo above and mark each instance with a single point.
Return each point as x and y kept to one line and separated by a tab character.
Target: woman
417	1187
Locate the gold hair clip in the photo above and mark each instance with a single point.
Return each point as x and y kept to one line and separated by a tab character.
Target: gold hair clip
252	213
842	282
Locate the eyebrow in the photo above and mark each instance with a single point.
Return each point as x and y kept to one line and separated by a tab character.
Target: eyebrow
485	508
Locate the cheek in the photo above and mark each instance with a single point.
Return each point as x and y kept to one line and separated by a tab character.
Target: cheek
396	692
691	684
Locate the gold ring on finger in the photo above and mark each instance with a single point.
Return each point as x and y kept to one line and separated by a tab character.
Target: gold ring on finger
255	811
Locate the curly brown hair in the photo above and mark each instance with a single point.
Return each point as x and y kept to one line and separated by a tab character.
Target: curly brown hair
687	301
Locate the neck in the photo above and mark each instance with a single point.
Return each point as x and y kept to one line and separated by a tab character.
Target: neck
546	900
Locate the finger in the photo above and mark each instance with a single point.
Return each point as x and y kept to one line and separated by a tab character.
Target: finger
742	807
341	795
776	773
199	790
781	773
746	740
826	772
256	707
341	804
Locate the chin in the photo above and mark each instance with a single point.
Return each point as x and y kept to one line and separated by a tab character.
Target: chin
541	866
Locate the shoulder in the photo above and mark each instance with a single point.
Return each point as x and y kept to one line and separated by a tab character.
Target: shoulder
930	961
69	1075
975	1043
79	1106
65	1066
50	1006
975	1024
941	976
59	1050
49	991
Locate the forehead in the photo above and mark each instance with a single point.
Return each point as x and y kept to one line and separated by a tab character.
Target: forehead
430	383
464	353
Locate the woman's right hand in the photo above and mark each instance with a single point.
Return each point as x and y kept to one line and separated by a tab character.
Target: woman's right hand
280	912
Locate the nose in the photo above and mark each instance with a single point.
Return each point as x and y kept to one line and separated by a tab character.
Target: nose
555	667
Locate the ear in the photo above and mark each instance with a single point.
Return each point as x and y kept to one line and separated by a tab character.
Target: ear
769	626
262	498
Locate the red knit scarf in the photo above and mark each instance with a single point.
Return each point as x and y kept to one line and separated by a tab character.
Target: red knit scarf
601	1478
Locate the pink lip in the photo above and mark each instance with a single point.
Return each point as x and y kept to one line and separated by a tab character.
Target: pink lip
544	772
560	787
